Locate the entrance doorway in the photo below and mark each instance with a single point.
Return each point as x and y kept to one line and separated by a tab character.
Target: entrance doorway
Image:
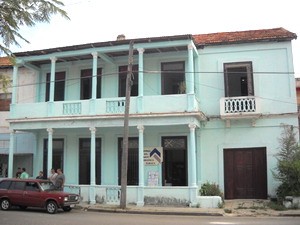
245	173
175	161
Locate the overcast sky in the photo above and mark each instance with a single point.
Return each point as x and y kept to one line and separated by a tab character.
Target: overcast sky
104	20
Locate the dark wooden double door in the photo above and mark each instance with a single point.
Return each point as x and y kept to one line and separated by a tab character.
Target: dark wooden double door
245	173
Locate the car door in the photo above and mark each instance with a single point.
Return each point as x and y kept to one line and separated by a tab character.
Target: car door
32	194
15	192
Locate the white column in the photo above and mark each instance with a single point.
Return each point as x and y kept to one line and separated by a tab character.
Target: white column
192	164
15	85
93	166
11	154
50	149
52	79
94	78
190	83
140	105
140	199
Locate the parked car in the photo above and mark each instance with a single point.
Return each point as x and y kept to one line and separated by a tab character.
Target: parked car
35	193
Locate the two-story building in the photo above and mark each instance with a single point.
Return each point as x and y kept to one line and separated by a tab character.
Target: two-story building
203	108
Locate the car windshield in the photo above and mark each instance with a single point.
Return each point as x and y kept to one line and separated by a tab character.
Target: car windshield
47	186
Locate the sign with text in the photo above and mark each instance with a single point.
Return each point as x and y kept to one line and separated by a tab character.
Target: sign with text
153	155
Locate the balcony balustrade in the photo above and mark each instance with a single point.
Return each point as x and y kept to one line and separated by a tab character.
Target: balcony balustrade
239	107
105	106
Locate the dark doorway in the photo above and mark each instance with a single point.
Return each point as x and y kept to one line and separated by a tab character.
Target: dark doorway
85	161
175	161
133	160
57	155
245	173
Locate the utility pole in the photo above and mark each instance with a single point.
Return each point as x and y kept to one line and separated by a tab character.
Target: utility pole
124	162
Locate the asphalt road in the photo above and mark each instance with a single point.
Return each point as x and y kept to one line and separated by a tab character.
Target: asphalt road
79	217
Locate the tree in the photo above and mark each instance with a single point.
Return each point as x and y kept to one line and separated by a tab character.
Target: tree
17	13
288	164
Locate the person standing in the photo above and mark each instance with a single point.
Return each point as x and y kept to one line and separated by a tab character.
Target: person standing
52	175
19	172
24	174
59	180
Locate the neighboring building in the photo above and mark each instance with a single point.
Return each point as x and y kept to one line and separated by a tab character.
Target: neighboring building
23	151
298	97
215	103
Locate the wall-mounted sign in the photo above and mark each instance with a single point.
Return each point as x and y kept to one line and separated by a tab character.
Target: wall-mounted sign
153	155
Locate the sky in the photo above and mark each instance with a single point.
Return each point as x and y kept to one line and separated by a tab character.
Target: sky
103	20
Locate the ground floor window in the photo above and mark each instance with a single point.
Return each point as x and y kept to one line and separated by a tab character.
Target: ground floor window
133	161
85	161
57	155
174	165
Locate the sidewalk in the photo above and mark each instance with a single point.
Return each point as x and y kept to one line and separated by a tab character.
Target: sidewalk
246	208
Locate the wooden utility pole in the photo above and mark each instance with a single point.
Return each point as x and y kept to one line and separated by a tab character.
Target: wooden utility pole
124	162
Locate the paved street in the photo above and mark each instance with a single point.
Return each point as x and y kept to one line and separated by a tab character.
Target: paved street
76	217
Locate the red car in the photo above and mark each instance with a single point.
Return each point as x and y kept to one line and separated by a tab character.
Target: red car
35	193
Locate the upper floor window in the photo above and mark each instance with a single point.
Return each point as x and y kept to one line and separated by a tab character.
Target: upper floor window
59	89
5	100
173	78
123	70
86	83
238	79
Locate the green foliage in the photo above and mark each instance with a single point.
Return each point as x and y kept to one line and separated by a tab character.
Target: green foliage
16	13
5	83
288	165
210	189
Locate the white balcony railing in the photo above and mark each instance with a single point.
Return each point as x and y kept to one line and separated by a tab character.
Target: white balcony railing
105	106
239	107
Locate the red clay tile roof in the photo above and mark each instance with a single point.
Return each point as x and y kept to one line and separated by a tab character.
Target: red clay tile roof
276	34
5	62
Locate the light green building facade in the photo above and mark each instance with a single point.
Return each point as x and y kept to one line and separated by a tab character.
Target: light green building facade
205	111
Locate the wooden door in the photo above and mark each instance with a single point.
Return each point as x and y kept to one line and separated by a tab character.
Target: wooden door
245	173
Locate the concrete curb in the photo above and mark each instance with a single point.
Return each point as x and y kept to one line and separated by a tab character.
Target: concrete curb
175	211
150	212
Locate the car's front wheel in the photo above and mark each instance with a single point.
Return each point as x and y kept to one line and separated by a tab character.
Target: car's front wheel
5	204
67	208
51	207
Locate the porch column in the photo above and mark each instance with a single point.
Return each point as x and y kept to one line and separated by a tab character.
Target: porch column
93	165
192	164
190	82
52	79
15	84
50	149
94	83
11	154
140	197
94	79
52	87
140	104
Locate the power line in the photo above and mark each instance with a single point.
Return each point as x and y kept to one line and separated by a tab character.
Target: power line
151	72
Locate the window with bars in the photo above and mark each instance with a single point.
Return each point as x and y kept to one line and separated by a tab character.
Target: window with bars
133	161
